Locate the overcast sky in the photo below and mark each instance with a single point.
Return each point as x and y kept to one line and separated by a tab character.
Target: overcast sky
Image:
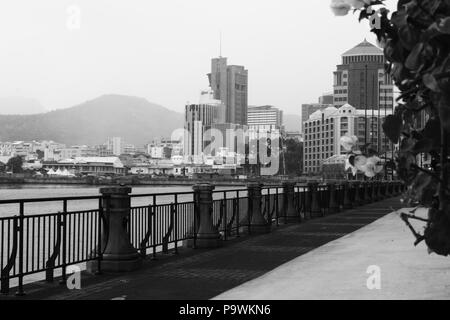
161	50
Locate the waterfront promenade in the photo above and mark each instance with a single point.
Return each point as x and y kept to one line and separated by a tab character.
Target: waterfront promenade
207	273
338	270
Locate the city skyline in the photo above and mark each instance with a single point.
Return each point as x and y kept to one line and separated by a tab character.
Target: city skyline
48	62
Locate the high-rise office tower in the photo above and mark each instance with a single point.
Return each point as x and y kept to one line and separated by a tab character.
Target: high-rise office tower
265	116
198	119
361	80
116	145
230	85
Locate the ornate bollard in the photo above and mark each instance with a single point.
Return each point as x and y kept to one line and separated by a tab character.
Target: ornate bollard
382	190
289	212
119	254
393	188
357	193
347	202
333	204
387	187
367	192
313	191
376	191
207	235
258	224
400	187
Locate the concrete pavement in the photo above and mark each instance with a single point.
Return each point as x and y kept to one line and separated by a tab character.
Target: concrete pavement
339	269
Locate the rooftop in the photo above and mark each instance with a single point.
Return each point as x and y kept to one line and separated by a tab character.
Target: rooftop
364	48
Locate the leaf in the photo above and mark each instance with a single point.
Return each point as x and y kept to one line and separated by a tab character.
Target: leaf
413	62
432	131
423	146
444	25
444	113
351	160
392	127
431	83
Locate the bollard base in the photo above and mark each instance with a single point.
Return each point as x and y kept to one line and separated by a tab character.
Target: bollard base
291	219
208	243
116	263
121	265
260	229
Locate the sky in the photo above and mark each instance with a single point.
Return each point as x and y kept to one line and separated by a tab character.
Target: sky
63	53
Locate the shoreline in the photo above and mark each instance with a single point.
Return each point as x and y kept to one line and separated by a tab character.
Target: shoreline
125	180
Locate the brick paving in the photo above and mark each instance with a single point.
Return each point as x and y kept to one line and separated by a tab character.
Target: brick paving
203	274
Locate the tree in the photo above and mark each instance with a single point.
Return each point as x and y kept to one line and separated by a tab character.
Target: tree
293	157
40	154
416	42
15	164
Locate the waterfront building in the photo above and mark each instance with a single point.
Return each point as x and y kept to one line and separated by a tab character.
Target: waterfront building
361	81
116	145
326	98
230	85
324	129
294	135
77	151
308	109
89	166
164	148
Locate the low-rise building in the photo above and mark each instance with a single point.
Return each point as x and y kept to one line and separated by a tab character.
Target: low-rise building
324	129
89	166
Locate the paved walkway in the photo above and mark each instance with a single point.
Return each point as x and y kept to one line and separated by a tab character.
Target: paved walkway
204	274
338	270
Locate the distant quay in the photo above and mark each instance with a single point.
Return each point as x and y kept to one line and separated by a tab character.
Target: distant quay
128	180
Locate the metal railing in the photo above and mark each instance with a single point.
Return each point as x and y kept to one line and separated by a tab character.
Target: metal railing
43	243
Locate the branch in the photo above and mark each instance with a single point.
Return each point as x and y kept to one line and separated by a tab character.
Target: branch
419	237
432	174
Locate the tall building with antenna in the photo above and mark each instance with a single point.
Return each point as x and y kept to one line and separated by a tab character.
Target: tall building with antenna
230	85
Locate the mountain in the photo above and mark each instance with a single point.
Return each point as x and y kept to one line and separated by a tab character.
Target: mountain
135	119
18	105
292	122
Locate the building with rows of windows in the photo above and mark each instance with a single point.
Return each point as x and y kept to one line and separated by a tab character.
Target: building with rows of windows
324	128
361	81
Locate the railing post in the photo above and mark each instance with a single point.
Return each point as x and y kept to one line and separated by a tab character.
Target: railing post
367	192
378	190
119	254
357	193
333	204
373	191
64	243
314	207
258	224
176	224
289	212
20	291
387	188
382	190
207	235
398	188
5	272
237	214
346	202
